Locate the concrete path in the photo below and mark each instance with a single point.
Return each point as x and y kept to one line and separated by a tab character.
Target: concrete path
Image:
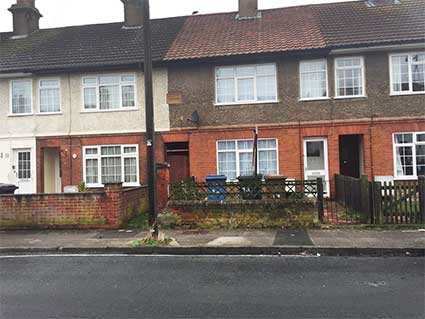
338	238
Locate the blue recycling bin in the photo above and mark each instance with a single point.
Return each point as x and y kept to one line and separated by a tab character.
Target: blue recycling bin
216	185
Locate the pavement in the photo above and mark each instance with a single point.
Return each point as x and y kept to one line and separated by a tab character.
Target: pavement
285	287
236	241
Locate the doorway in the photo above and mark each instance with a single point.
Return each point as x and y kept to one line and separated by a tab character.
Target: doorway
52	171
351	155
177	155
316	160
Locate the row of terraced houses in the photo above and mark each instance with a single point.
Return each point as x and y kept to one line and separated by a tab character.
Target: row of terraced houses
333	88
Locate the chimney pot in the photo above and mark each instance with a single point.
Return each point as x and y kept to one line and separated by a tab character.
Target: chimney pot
133	15
248	9
25	17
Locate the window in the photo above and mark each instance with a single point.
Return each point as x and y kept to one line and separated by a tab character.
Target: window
21	97
407	73
252	83
313	79
235	157
349	77
24	165
111	164
409	155
109	92
50	100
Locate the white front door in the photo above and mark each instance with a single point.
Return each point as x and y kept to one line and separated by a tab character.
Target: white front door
23	171
316	160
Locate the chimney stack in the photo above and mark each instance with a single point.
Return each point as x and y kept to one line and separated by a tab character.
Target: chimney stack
248	9
25	17
133	15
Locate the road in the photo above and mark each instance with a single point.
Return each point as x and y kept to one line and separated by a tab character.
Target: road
211	287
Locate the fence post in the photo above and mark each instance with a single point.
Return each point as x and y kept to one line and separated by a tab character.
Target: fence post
422	197
365	204
377	202
320	205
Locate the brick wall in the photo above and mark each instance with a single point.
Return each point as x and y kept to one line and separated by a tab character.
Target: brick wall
377	144
104	209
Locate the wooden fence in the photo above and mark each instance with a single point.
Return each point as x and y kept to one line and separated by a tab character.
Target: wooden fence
401	202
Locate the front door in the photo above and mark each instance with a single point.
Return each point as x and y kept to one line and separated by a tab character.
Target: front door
23	171
52	174
316	160
350	155
178	158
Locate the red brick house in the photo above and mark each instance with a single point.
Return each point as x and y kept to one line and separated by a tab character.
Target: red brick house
333	88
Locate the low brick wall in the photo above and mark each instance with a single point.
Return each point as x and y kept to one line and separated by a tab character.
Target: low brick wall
102	209
289	212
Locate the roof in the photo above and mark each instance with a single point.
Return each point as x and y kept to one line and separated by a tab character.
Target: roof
311	27
84	46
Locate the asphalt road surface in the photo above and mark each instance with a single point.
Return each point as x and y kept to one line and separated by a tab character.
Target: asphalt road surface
211	287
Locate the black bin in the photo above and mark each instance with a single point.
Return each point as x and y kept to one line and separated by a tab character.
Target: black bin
7	189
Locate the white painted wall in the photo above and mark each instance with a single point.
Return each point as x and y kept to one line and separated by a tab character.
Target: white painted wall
73	120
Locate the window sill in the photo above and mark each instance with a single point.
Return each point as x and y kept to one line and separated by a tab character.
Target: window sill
405	178
20	115
350	97
49	113
407	93
110	111
314	99
123	185
247	103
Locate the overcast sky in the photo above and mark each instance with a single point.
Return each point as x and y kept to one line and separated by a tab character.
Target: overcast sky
59	13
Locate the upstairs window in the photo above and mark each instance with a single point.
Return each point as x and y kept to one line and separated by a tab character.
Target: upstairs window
313	80
235	157
21	97
109	92
246	84
349	77
50	100
407	73
111	164
409	155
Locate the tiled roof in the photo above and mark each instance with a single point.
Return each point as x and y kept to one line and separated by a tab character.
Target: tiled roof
355	23
83	46
286	29
309	27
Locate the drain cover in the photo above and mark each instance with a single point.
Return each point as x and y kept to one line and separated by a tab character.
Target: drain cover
287	237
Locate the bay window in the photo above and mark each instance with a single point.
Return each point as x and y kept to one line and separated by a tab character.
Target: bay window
111	164
49	91
349	77
234	157
313	80
407	73
409	155
111	92
246	84
21	97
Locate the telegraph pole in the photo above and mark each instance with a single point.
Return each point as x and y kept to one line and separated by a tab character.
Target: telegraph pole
150	124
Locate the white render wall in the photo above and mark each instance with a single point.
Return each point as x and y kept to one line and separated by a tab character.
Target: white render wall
8	160
73	120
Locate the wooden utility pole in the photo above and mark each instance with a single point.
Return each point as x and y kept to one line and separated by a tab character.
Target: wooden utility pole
150	123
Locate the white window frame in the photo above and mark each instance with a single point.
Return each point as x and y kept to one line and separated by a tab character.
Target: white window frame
413	146
11	98
301	84
21	151
97	85
98	156
410	92
363	74
39	96
237	151
255	101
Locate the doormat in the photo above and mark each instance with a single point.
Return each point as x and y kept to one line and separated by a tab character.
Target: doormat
287	237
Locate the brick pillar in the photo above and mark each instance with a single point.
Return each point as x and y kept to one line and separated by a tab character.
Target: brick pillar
163	180
113	207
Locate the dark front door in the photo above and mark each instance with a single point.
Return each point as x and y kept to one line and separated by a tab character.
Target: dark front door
178	158
350	155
